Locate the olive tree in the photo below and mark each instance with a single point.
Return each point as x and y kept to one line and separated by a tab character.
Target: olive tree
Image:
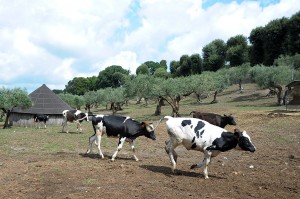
75	101
238	74
202	84
140	87
170	90
90	99
11	98
275	77
114	97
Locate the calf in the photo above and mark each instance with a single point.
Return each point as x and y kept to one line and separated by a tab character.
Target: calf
40	118
73	116
214	119
118	126
196	134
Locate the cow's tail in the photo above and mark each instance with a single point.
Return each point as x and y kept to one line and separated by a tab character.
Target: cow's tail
64	113
159	121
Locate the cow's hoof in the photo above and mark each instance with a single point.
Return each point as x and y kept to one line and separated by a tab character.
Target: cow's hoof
112	160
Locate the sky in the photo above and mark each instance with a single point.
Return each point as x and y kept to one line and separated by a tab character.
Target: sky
51	42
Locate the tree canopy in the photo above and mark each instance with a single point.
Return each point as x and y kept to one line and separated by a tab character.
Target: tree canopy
11	98
112	76
214	55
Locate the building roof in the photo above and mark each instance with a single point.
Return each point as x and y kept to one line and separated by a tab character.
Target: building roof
294	83
44	101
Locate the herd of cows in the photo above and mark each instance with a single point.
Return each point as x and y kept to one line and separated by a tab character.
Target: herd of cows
204	132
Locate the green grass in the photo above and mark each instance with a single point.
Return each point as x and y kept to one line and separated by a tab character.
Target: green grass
282	140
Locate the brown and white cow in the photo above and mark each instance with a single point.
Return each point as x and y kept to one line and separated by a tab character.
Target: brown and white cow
74	116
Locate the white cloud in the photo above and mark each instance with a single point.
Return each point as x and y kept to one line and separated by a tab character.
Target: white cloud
126	59
64	70
61	39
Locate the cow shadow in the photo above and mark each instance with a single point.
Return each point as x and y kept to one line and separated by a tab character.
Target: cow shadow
168	172
70	132
106	157
90	155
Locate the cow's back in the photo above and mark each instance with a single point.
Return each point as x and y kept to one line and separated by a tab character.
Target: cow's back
114	124
212	118
193	131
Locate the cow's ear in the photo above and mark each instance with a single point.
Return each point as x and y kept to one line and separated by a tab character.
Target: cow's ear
143	124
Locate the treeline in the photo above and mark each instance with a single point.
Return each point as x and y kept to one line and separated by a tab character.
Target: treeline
170	91
278	39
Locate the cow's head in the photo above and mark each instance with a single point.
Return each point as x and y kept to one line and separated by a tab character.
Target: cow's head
47	117
230	119
148	130
83	116
244	141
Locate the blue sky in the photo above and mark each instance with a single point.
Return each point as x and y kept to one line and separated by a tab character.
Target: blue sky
51	42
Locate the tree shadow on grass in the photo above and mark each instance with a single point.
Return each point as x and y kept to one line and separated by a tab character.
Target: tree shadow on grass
246	98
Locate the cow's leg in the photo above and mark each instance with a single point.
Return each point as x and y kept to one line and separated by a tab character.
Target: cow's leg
133	149
97	140
98	143
79	127
45	125
120	145
170	149
92	139
64	124
205	162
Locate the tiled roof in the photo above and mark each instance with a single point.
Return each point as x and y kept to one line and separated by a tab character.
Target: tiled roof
44	101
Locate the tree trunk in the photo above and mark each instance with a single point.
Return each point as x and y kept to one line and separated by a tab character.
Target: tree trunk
6	125
279	95
198	96
159	105
88	108
240	86
215	98
175	107
138	100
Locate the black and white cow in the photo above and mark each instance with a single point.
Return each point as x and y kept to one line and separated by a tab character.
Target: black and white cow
196	134
125	128
73	116
215	119
38	118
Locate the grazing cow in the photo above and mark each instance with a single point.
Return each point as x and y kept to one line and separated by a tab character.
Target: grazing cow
214	119
75	116
125	128
40	118
196	134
